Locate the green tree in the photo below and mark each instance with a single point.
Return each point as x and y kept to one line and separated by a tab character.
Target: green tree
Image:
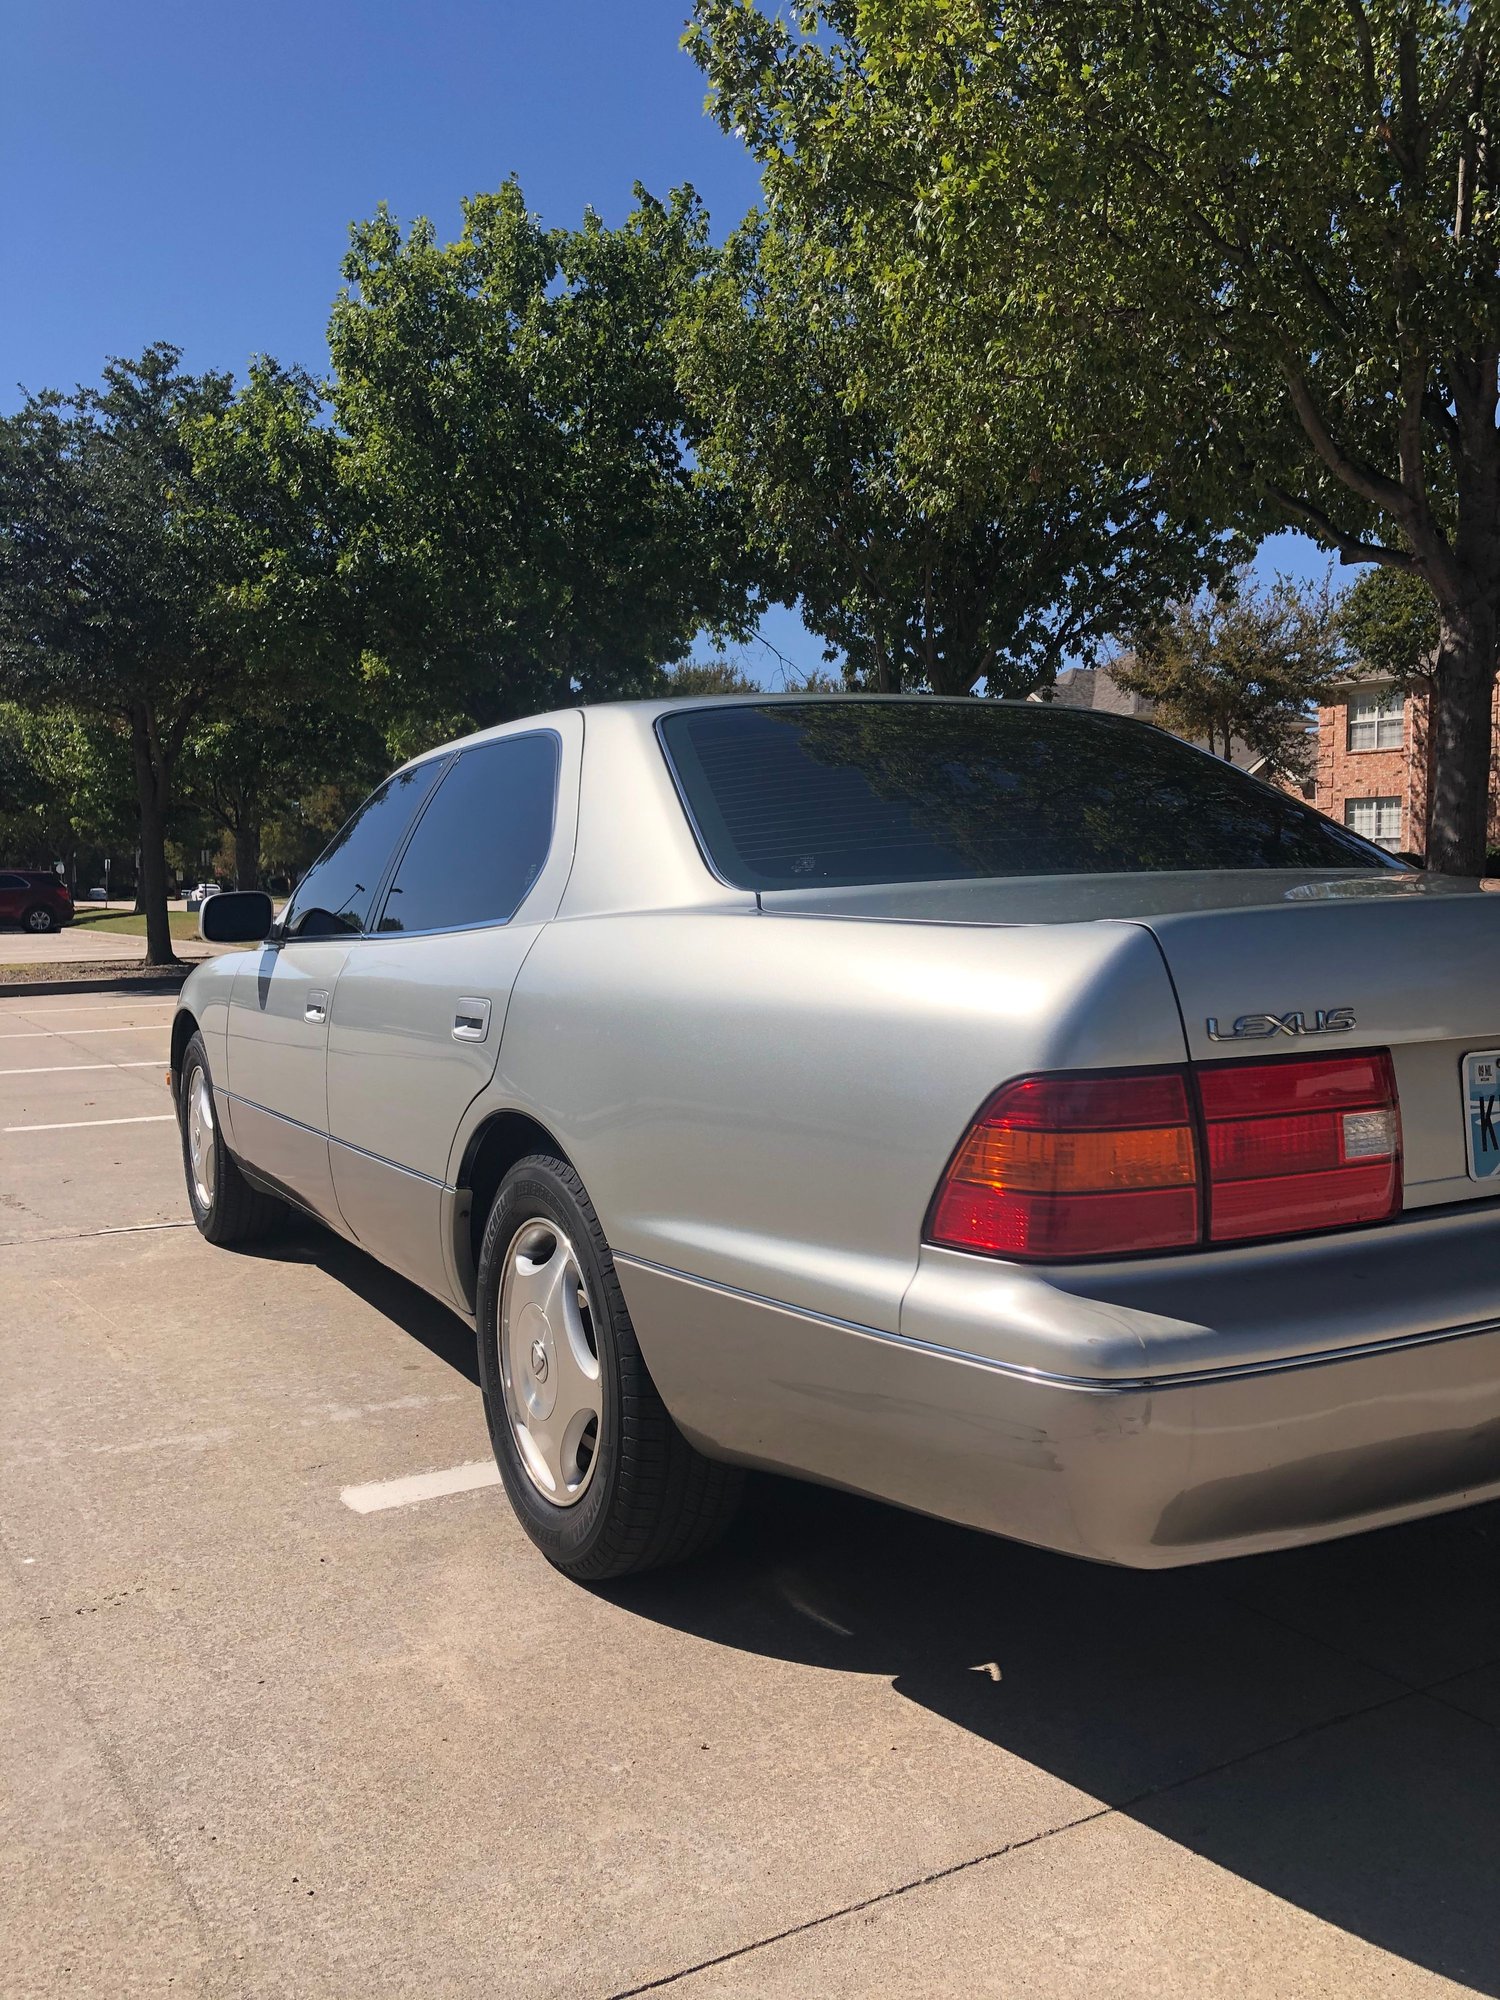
1249	247
699	677
245	774
160	543
65	786
1389	623
105	588
985	568
527	527
1240	663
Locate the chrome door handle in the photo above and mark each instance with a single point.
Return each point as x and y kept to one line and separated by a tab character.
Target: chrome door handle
471	1020
316	1009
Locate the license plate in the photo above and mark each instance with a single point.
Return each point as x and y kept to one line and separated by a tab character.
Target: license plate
1482	1113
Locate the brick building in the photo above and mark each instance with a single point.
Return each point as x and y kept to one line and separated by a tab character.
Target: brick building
1372	766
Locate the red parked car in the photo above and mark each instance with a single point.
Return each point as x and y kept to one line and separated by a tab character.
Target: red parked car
34	901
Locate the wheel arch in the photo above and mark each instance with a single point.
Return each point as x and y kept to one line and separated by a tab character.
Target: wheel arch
493	1149
184	1027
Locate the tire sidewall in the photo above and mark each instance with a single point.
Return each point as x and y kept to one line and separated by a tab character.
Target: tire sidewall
194	1058
542	1188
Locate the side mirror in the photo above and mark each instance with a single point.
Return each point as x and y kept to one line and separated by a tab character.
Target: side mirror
241	916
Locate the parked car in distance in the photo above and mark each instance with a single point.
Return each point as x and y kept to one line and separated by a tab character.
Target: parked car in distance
198	895
98	895
1010	1112
37	901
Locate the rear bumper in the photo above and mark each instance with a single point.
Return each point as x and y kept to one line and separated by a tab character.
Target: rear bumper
1146	1469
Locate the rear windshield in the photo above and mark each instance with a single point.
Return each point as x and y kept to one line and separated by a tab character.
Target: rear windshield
869	791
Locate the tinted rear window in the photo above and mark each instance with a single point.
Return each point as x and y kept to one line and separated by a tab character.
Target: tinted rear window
866	791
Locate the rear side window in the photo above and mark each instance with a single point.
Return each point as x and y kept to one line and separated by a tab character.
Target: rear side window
869	791
482	841
333	898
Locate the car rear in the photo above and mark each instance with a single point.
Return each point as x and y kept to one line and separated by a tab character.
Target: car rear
1205	1306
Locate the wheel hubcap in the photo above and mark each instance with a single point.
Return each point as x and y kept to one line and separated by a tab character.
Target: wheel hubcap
202	1155
549	1362
39	920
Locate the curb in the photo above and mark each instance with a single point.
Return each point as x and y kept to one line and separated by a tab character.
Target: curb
34	989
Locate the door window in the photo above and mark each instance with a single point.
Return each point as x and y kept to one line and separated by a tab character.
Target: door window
12	882
482	841
334	896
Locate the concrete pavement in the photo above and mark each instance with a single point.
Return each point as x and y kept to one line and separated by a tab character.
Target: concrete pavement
256	1743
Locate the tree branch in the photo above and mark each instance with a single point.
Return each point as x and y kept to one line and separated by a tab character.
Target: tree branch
1351	549
1362	479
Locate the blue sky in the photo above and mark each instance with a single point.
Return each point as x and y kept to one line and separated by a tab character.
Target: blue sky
189	172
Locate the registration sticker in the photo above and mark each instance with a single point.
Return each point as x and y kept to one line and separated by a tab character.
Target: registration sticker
1482	1113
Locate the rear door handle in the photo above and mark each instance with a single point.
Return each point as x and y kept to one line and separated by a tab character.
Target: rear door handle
471	1020
316	1009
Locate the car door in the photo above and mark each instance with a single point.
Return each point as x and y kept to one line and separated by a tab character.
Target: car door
12	888
281	998
420	1004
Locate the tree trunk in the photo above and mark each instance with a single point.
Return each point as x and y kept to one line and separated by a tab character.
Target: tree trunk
1461	728
152	784
247	852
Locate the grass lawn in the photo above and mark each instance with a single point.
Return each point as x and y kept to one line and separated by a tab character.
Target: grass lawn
184	924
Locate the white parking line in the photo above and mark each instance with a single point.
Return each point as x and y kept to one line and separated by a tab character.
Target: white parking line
95	1007
382	1493
65	1069
67	1034
77	1124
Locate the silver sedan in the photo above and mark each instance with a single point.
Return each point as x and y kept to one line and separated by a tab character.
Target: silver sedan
1009	1112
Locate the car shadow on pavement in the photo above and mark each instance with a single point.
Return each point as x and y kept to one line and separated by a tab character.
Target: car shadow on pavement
428	1321
1325	1723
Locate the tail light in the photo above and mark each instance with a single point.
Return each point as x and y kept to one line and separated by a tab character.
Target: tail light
1075	1167
1300	1145
1100	1165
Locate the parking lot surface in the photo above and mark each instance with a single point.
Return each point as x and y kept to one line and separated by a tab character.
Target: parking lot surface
257	1741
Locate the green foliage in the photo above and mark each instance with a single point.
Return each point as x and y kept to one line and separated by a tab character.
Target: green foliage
65	786
700	677
1390	624
983	564
526	527
1251	252
1241	663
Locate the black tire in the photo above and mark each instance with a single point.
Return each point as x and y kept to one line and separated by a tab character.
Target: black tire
234	1212
39	919
650	1498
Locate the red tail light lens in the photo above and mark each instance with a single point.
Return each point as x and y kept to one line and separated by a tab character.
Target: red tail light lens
1300	1145
1075	1167
1096	1166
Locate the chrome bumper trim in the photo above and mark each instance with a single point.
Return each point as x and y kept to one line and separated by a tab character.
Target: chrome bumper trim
1096	1385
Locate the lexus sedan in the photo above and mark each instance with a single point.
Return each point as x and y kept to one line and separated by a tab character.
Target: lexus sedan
1010	1112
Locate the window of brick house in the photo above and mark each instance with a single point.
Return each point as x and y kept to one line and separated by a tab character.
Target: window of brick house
1376	720
1376	819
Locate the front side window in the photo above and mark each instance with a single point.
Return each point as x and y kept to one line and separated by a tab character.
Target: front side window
482	841
333	898
844	793
1375	819
1376	720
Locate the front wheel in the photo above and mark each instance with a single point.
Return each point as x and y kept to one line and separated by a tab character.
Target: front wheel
600	1477
225	1206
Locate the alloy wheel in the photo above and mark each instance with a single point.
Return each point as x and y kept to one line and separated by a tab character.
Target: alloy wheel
549	1362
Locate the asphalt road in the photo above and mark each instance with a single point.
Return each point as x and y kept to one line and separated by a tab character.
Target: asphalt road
255	1742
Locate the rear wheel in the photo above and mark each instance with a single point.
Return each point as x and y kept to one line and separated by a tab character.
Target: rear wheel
225	1206
600	1477
39	920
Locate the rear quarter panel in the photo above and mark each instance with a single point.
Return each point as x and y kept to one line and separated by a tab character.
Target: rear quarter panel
767	1102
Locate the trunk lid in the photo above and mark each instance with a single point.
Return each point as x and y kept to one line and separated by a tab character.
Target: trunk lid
1282	963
